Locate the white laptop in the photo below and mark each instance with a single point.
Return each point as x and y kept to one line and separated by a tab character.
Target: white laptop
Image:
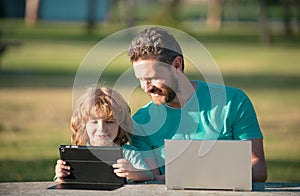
208	164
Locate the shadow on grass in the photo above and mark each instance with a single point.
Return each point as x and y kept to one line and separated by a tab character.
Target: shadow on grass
29	78
35	170
59	79
283	170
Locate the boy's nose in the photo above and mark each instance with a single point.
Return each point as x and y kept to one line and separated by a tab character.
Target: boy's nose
101	125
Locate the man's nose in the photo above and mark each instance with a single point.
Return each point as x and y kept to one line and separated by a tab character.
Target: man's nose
146	85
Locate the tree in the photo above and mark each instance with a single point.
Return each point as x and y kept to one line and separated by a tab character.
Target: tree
31	12
214	15
288	4
91	18
264	26
128	14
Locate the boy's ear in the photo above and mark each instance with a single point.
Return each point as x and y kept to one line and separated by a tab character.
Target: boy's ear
177	63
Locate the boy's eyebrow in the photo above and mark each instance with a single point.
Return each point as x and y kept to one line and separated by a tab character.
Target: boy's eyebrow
110	118
94	116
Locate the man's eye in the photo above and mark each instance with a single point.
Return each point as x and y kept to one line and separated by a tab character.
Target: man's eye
142	80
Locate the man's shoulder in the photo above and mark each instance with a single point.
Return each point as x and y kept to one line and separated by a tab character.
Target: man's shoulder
215	88
205	84
142	113
144	108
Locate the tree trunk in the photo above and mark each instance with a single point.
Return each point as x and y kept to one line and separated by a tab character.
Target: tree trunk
297	4
127	17
91	17
287	4
264	27
31	12
214	15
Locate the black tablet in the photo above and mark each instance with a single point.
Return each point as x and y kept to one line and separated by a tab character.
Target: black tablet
91	167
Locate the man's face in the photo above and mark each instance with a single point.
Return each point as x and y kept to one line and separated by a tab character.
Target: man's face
157	79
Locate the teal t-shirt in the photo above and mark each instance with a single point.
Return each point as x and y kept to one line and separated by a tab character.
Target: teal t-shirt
133	155
213	112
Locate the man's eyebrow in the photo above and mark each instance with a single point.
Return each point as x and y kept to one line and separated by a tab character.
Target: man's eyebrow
148	78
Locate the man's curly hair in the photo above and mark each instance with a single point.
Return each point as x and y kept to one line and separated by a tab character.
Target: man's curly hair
155	43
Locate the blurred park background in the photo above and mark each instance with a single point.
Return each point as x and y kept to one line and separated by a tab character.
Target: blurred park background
255	43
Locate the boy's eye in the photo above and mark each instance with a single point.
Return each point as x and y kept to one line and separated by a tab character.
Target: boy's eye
93	121
110	121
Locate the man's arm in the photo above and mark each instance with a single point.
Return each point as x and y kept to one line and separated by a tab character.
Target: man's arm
259	166
151	162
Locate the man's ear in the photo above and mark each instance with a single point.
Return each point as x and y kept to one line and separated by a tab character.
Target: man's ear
177	63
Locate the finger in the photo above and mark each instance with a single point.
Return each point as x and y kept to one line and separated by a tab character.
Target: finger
66	173
122	175
120	170
66	167
116	165
59	172
62	174
122	161
61	167
61	162
119	165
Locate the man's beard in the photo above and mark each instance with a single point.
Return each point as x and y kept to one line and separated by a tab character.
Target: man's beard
164	95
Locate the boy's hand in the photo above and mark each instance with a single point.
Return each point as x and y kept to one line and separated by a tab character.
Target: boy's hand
123	168
61	170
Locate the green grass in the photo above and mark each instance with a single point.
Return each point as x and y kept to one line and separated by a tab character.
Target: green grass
49	55
36	81
27	170
278	112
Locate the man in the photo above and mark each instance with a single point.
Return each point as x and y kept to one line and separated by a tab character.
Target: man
184	109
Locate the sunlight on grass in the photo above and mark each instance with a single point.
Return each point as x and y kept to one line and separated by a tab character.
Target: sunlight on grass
33	119
48	56
249	58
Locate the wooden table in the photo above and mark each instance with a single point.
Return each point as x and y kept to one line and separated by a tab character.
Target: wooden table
42	188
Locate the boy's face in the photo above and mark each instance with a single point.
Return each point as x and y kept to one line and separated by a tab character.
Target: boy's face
102	132
157	79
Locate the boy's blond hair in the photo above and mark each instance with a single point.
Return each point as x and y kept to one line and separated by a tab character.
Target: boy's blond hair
110	104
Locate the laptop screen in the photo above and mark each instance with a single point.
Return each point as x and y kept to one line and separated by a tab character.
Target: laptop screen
208	164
